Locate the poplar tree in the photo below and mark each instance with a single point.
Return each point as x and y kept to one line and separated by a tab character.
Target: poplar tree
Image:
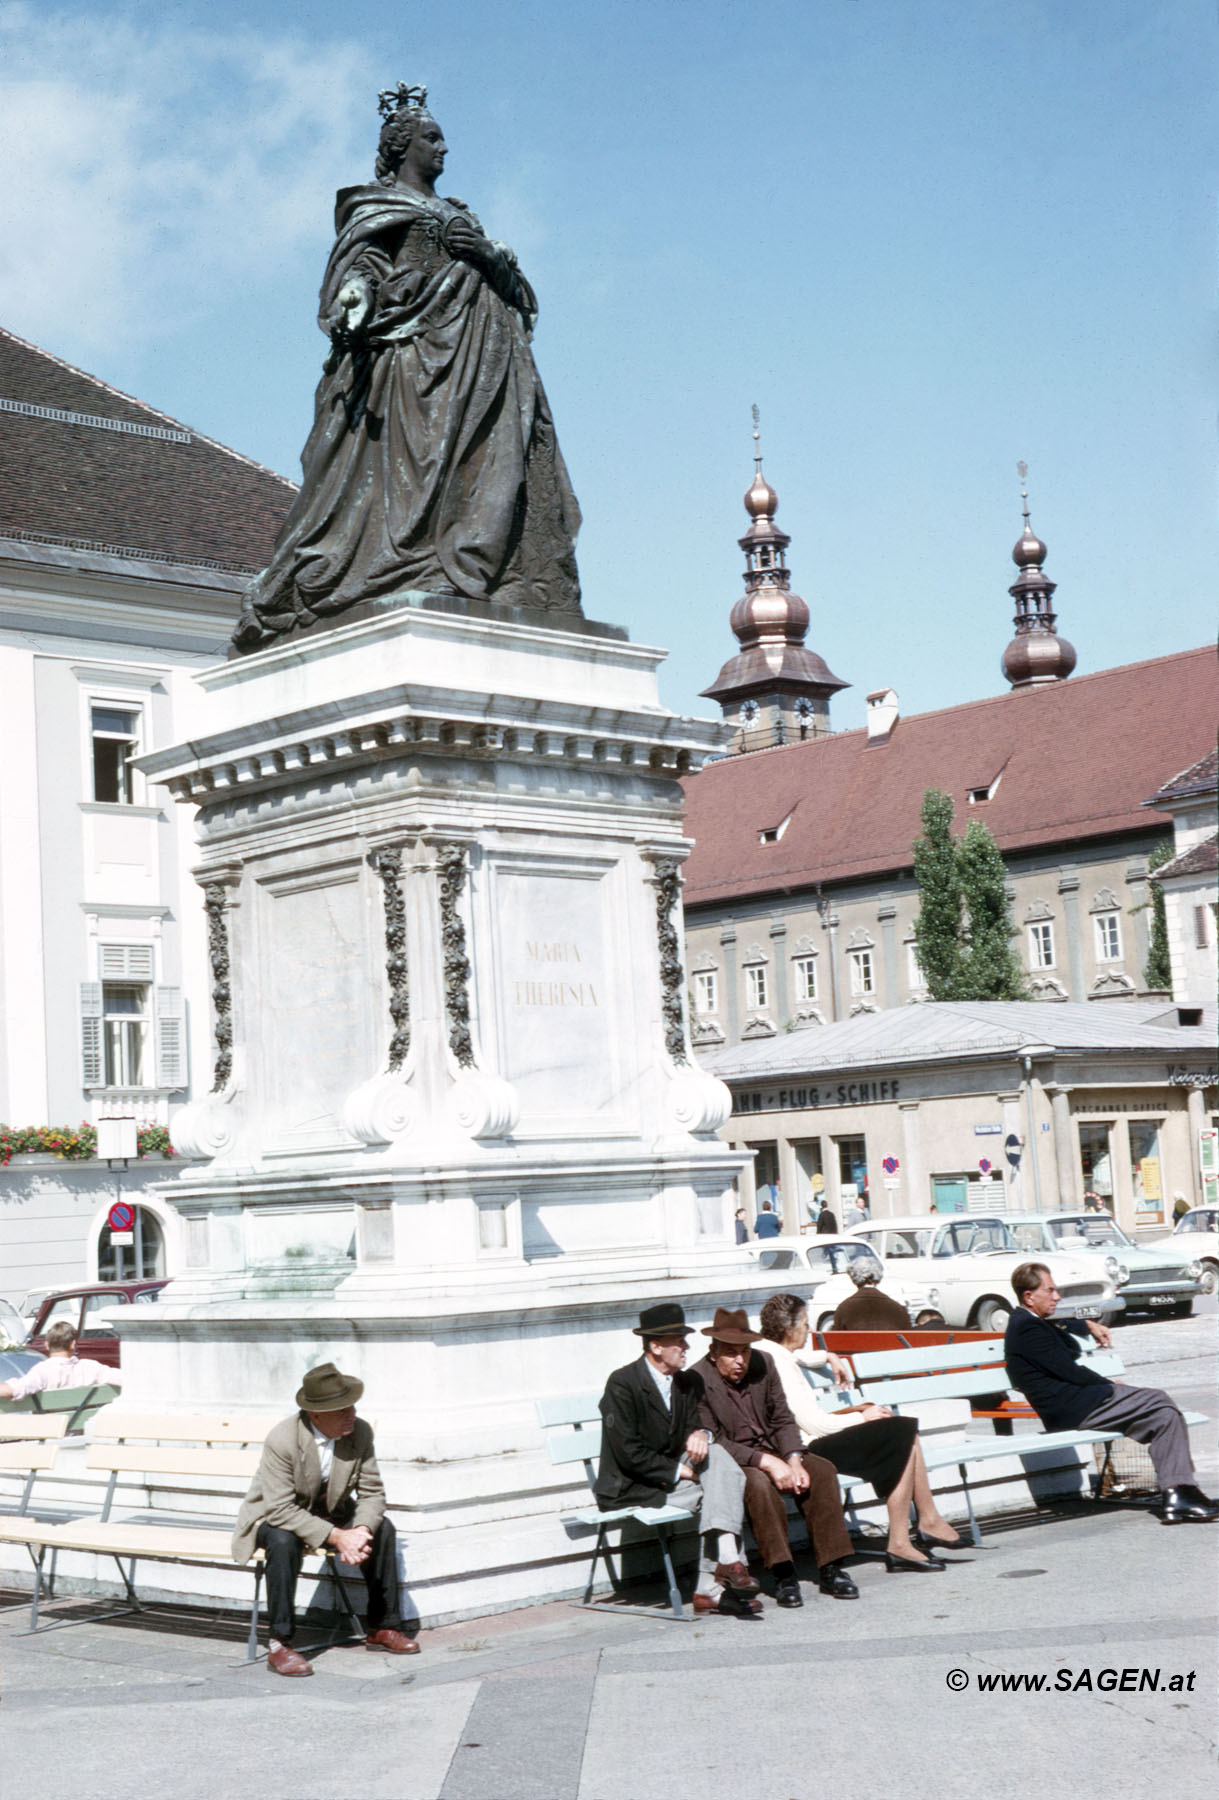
990	968
937	929
963	933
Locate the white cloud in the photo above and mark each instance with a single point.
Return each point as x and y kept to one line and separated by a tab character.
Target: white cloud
148	169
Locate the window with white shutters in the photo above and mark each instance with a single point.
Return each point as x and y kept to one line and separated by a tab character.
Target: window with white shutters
171	1038
125	962
91	1033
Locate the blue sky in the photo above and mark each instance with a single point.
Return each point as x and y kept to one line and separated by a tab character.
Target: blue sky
927	237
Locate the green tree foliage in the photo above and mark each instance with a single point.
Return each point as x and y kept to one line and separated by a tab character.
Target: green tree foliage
963	933
990	967
1157	970
938	928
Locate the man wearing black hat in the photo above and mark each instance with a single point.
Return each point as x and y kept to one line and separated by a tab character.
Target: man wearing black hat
318	1484
655	1453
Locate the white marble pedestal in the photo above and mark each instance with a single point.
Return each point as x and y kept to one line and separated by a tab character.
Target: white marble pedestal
457	1138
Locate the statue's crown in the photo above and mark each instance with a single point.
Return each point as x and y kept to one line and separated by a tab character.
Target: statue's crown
392	100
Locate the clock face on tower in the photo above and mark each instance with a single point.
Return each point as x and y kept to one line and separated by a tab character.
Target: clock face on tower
749	711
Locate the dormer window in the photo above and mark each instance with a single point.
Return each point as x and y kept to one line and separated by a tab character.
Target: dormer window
978	796
772	833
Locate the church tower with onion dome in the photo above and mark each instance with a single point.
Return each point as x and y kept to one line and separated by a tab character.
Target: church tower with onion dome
1036	655
774	690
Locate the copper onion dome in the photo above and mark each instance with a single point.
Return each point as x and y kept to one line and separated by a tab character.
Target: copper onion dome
1036	655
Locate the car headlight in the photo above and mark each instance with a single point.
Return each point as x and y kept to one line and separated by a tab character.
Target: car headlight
1118	1271
1194	1270
933	1296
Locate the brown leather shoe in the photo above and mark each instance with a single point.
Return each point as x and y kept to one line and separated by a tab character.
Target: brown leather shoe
736	1575
393	1641
287	1661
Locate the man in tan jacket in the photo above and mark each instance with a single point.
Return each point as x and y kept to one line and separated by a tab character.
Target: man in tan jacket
318	1485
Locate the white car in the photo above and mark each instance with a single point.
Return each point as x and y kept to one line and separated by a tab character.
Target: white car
969	1259
816	1268
1161	1279
1196	1235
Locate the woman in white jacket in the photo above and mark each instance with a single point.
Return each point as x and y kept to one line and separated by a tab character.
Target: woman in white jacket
866	1441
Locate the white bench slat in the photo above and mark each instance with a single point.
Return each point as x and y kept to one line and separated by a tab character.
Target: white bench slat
28	1454
870	1363
24	1426
171	1459
1023	1443
568	1409
201	1428
961	1386
575	1446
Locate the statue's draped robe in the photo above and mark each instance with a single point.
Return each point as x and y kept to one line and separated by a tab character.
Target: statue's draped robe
432	464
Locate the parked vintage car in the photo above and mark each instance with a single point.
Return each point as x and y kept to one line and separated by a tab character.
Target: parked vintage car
969	1259
817	1268
1159	1279
1196	1234
83	1307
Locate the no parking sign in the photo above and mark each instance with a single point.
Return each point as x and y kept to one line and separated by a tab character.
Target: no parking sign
121	1219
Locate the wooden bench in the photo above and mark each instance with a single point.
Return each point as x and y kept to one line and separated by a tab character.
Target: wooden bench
80	1403
901	1379
177	1455
581	1442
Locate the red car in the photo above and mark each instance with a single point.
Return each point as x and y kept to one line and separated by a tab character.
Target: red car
81	1305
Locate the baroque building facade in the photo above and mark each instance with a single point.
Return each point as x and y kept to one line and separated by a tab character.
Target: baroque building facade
125	540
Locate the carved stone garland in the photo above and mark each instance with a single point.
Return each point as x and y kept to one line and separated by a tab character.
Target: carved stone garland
452	861
667	883
388	864
216	900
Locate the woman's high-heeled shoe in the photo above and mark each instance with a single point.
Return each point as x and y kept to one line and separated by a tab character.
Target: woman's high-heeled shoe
933	1543
905	1565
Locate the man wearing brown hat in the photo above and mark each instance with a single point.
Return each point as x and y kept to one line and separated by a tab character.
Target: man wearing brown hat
318	1484
654	1452
743	1404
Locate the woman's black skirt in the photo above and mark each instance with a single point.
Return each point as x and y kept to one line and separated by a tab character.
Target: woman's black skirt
876	1451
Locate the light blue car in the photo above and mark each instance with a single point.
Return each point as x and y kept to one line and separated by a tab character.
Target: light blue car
1158	1279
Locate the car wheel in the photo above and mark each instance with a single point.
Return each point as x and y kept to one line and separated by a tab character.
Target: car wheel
930	1321
993	1315
825	1322
1210	1277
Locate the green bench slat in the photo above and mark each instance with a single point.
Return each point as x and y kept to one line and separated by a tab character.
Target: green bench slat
569	1409
937	1387
575	1446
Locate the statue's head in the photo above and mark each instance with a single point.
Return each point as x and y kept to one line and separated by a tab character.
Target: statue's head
404	110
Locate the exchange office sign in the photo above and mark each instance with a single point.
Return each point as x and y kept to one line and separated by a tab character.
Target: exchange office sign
808	1099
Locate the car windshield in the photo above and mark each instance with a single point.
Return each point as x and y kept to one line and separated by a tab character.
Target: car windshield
778	1259
833	1259
1202	1220
973	1237
1086	1231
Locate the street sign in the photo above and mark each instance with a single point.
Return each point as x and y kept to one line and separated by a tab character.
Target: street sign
122	1237
891	1183
1011	1149
984	1164
890	1165
121	1216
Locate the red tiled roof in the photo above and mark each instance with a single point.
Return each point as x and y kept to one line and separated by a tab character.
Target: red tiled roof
1200	859
127	489
1077	761
1200	779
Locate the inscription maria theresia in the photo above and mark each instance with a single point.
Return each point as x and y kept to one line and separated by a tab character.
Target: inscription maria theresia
432	468
553	990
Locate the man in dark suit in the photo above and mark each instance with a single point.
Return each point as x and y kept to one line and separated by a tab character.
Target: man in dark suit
743	1404
1043	1362
654	1452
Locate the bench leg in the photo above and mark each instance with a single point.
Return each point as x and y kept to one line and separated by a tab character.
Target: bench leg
599	1549
974	1530
251	1649
127	1582
674	1591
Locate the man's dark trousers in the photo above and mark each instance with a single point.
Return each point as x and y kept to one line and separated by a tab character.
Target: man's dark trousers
284	1552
